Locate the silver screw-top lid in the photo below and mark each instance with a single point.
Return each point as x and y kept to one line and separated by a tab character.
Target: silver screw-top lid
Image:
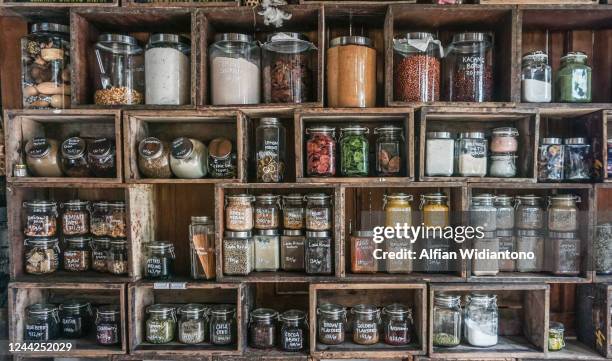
350	40
243	38
169	38
51	27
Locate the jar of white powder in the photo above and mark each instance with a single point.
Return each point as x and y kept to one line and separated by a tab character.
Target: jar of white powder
188	158
536	78
167	70
471	154
235	70
481	320
439	157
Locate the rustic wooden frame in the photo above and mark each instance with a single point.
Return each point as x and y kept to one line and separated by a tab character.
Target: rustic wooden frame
51	5
593	317
602	212
606	131
181	3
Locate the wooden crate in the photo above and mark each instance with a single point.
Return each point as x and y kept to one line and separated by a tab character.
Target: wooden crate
160	358
538	2
139	208
22	295
593	318
144	294
22	126
602	214
605	133
58	4
201	125
456	120
425	358
360	197
349	295
180	3
527	303
371	118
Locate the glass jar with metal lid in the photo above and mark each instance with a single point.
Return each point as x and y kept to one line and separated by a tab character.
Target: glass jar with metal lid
120	72
435	209
188	158
504	211
117	257
354	151
318	253
238	253
556	340
74	158
365	324
551	160
318	212
321	151
99	253
239	212
416	67
202	246
154	158
573	81
108	325
262	328
331	324
362	252
471	154
42	322
565	253
293	331
504	140
397	324
530	240
40	218
77	255
108	219
351	72
45	66
481	320
487	266
529	212
398	209
288	63
193	323
293	211
536	78
292	251
389	151
578	162
563	213
267	211
41	255
234	63
43	157
439	154
502	165
222	158
447	323
267	250
507	243
270	150
168	70
483	213
469	61
160	326
75	218
159	260
76	319
222	324
101	156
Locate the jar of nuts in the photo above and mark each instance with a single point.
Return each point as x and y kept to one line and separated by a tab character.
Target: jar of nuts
117	257
75	218
318	212
41	255
239	212
40	218
267	211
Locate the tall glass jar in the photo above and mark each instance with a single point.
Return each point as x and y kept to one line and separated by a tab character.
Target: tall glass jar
469	64
398	264
321	151
99	253
293	331
293	211
119	74
101	156
573	81
481	320
530	240
565	253
563	213
234	63
331	324
398	210
270	150
390	143
262	328
435	210
74	157
439	154
488	266
551	160
40	218
602	248
238	253
354	151
154	158
578	159
288	68
42	323
446	320
483	212
43	157
202	236
239	212
76	319
505	212
318	253
365	324
318	212
45	67
77	255
416	67
507	242
222	325
160	327
108	325
117	257
267	250
529	212
471	154
75	218
192	324
159	260
267	211
397	324
536	78
362	252
188	158
168	70
292	250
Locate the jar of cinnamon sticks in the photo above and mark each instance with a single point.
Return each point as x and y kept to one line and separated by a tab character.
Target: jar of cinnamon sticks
202	244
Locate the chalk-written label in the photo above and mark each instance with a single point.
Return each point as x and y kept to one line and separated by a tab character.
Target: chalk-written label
293	339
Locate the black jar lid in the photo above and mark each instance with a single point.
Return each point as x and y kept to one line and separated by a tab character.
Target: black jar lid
182	148
73	148
150	147
100	147
350	40
38	147
51	27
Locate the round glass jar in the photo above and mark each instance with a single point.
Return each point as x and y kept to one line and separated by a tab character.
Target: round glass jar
318	253
529	212
578	161
42	323
267	211
76	319
365	324
160	326
159	260
75	218
563	213
551	160
40	218
318	212
293	331
202	247
505	212
43	157
481	320
321	151
502	165
556	340
238	253
188	158
573	81
416	67
154	158
41	255
389	151
331	324
262	328
99	254
192	324
504	140
293	211
222	325
362	252
222	158
397	324
239	212
530	240
117	257
74	157
267	250
101	156
108	325
77	255
435	210
536	78
469	61
447	322
471	154
108	219
398	209
439	154
354	151
270	150
483	213
168	70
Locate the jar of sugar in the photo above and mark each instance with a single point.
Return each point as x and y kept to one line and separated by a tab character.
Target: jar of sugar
471	153
167	70
439	157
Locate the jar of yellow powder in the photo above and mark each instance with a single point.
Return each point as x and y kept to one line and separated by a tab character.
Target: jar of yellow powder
436	212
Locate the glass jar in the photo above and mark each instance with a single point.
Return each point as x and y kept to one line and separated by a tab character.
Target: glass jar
267	250
530	240
354	151
502	165
159	260
362	252
507	243
602	248
536	78
470	68
318	253
365	324
288	63
270	151
117	257
563	213
481	320
578	159
42	323
234	63
556	340
188	158
160	326
574	79
609	151
101	154
435	210
483	212
99	254
154	158
504	212
202	244
41	255
529	212
292	250
75	218
74	157
77	255
45	67
486	266
435	264
351	72
398	210
416	67
397	324
331	324
565	253
439	154
108	325
293	331
120	70
108	219
262	328
239	212
318	212
193	324
43	157
222	158
40	218
293	211
471	154
223	325
321	151
168	70
76	319
551	160
267	211
389	151
504	140
446	320
238	253
398	264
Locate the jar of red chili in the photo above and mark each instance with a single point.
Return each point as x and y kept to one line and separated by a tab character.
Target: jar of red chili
321	152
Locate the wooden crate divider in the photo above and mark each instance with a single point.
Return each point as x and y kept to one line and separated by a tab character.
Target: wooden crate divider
602	206
594	327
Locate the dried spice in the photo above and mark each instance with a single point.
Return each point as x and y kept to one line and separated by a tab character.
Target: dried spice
354	151
321	152
293	211
77	255
290	78
40	219
267	211
75	219
118	96
318	212
239	212
161	324
331	324
41	255
99	254
365	324
362	252
417	79
154	158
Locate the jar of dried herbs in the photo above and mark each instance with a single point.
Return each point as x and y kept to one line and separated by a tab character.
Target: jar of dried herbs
99	253
563	213
202	236
389	150
76	319
573	81
262	328
101	156
530	240
505	212
77	255
108	325
42	323
193	324
108	219
366	324
447	317
354	151
362	252
159	260
397	324
293	331
75	218
154	158
293	211
41	255
529	212
117	257
267	211
40	218
318	252
161	324
74	157
238	253
239	212
331	324
318	212
223	324
270	150
267	250
292	251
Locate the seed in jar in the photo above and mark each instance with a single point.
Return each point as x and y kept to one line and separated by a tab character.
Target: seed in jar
417	79
118	96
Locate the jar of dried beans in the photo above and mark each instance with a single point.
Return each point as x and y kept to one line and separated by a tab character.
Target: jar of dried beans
101	156
270	151
354	151
108	219
362	252
529	212
267	211
77	255
563	213
397	324
239	212
74	157
390	143
318	253
267	250
41	255
117	257
159	260
262	328
99	253
416	66
43	157
471	154
202	244
331	324
321	151
40	218
435	210
223	325
318	212
287	68
76	319
398	209
154	158
365	325
292	251
469	62
193	324
160	326
42	323
293	211
238	253
293	331
75	218
108	325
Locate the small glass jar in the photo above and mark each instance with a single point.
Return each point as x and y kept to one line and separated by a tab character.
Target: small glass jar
362	252
573	81
565	253
602	248
556	340
238	253
270	150
77	255
502	165
75	218
188	158
120	70
234	63
447	323
288	63
354	151
41	255
160	326
469	61
504	211
398	264
74	157
108	325
43	157
318	212
42	323
101	154
321	151
168	70
222	325
529	212
563	213
488	266
267	250
551	160
331	324
239	212
117	257
530	240
398	210
293	331
222	159
99	254
397	324
292	250
365	324
390	143
318	253
536	78
483	212
471	154
76	319
481	320
159	260
435	210
192	324
108	219
507	243
40	218
154	158
293	211
416	67
578	162
504	140
439	154
267	211
202	244
262	328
